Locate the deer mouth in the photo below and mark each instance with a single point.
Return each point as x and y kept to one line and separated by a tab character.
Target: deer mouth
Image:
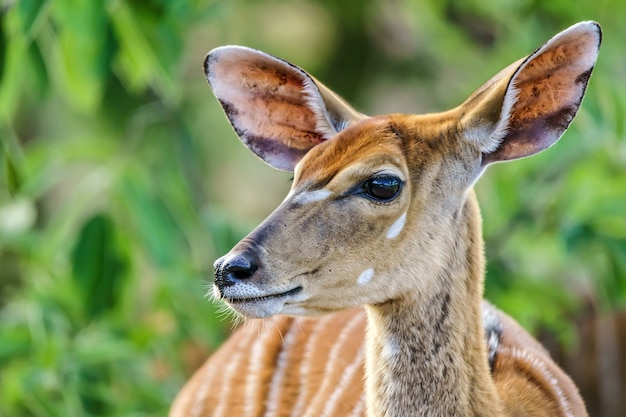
261	298
254	304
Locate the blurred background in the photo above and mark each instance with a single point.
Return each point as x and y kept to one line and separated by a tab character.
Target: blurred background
121	181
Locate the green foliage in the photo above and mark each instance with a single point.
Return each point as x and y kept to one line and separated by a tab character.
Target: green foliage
121	181
98	268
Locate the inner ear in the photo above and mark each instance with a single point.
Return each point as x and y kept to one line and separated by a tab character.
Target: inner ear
278	110
528	105
266	103
546	92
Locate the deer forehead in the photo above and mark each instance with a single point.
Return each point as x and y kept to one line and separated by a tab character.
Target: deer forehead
398	145
361	145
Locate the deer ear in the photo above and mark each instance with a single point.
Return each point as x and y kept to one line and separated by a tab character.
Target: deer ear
528	105
278	110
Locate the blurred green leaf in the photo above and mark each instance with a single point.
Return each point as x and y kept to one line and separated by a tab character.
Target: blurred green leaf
80	56
10	162
14	62
15	342
141	63
158	230
3	45
12	178
29	11
40	81
98	267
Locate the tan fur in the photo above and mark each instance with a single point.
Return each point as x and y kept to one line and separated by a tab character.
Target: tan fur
430	348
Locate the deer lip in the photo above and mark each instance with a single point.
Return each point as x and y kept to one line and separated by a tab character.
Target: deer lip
239	300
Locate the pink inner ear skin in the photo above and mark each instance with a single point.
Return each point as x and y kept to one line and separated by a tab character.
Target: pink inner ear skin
549	88
265	102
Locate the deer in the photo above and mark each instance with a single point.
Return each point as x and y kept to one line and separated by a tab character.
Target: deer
368	278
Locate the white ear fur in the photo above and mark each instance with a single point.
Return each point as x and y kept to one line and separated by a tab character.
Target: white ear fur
334	114
494	138
325	125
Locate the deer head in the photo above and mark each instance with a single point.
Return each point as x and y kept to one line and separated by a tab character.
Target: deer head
378	205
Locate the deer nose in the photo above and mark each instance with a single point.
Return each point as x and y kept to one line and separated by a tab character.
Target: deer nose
233	268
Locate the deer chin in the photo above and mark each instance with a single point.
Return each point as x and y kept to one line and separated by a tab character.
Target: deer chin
254	302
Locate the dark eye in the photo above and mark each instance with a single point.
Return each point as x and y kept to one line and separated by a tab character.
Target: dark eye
382	188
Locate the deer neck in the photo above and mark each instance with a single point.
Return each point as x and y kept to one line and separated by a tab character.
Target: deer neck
426	354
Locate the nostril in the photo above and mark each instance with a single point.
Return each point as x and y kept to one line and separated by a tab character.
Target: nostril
238	267
242	272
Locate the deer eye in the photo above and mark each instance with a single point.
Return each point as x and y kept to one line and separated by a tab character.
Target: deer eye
383	188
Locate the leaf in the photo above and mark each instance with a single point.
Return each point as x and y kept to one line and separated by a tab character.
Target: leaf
29	11
3	45
15	343
158	230
11	175
80	55
98	267
39	74
138	62
13	63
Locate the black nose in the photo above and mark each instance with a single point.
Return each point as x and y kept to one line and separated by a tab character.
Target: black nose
233	268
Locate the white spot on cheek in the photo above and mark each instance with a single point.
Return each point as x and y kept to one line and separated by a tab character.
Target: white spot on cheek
396	227
391	348
365	276
312	196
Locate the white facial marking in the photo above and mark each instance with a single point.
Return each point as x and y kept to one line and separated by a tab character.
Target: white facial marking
391	348
396	227
365	276
312	196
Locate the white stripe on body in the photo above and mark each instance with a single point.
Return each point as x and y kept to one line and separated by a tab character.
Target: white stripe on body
346	378
333	356
306	364
226	380
282	363
253	384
